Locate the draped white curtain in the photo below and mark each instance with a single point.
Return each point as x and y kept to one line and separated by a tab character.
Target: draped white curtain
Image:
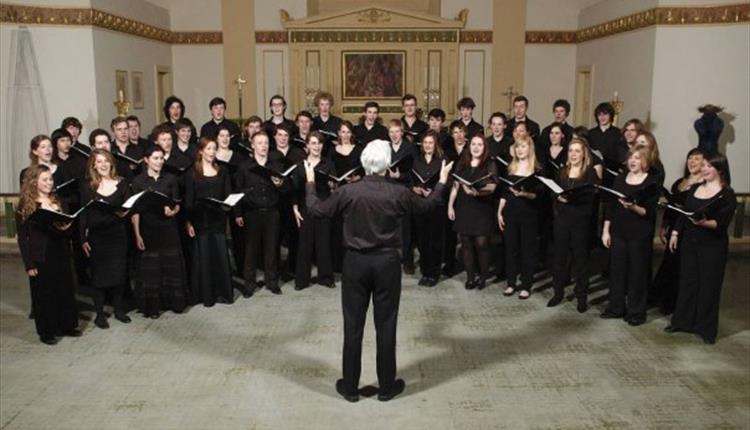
26	113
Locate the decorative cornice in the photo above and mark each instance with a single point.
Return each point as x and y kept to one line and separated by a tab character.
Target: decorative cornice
271	37
80	16
475	36
728	14
374	36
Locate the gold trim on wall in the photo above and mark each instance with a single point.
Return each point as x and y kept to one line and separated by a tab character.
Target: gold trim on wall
80	16
271	37
727	14
359	36
476	36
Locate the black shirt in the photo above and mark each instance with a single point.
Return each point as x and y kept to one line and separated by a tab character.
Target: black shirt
363	135
322	186
344	163
260	192
567	130
531	126
404	150
578	206
428	171
95	218
270	127
372	210
722	215
624	222
331	127
154	224
206	217
211	129
473	128
414	133
606	142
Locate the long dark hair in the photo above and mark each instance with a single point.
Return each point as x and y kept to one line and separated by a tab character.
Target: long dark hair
694	151
465	161
202	144
168	102
36	141
720	163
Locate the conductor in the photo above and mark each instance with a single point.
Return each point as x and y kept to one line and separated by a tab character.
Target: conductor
372	211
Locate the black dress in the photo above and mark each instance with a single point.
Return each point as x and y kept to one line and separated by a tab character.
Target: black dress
429	225
237	233
521	217
211	276
161	267
475	216
47	250
703	259
107	235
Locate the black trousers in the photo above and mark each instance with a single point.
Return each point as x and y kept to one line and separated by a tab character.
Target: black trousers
375	274
288	236
520	250
238	246
314	235
450	242
629	276
666	283
429	229
262	235
571	237
702	265
546	230
407	240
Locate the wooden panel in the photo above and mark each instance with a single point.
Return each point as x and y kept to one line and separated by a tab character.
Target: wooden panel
472	81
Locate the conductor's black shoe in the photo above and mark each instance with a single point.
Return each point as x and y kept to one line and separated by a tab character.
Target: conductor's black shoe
430	282
398	388
119	316
74	332
607	314
347	396
636	321
275	290
49	340
554	301
101	322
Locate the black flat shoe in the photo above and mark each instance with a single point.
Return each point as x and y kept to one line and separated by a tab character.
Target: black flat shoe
636	321
348	397
248	292
122	318
609	315
469	285
49	340
328	284
398	388
431	282
101	322
480	284
671	329
73	333
300	287
275	290
554	301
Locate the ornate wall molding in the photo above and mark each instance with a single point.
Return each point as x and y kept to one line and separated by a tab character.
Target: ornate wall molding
32	15
476	36
352	109
271	37
365	36
728	14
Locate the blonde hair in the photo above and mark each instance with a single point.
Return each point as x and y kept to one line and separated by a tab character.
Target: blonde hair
643	151
30	190
585	163
513	166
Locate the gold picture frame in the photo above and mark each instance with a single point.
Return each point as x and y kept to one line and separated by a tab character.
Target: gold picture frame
121	85
137	81
373	75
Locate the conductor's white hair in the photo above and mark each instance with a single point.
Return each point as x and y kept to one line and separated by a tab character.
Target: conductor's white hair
376	157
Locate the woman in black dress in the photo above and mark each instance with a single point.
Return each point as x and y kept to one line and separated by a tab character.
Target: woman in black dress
429	225
667	279
471	209
161	266
210	280
518	215
345	157
314	232
45	250
703	255
572	223
656	169
556	157
453	150
104	234
628	232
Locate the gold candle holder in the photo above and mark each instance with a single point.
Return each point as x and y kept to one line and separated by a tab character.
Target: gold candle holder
617	105
121	104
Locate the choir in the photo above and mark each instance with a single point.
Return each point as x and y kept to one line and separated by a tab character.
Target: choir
177	214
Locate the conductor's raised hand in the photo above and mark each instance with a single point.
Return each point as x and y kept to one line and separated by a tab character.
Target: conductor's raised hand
445	171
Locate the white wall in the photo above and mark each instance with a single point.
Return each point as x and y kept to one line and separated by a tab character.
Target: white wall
139	10
552	14
694	66
118	51
198	76
606	10
623	63
194	15
549	74
66	64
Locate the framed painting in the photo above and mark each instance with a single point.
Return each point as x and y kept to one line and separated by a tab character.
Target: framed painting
373	74
121	85
137	89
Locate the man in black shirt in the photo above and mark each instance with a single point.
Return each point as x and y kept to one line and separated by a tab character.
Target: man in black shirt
560	112
73	126
520	107
499	140
218	107
605	137
414	128
435	119
278	110
370	127
134	133
466	108
372	210
325	122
